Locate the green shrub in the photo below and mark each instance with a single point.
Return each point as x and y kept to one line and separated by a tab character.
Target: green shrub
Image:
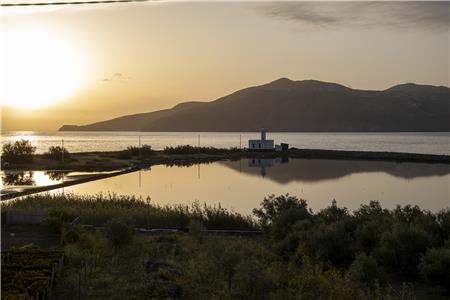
56	217
435	266
281	212
365	269
188	149
120	231
333	213
54	224
20	152
229	260
196	230
56	153
144	150
400	249
250	281
71	234
443	219
332	243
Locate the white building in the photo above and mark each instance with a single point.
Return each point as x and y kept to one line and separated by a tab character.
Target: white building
261	144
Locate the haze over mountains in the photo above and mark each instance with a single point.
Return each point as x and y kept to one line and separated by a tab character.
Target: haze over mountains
308	105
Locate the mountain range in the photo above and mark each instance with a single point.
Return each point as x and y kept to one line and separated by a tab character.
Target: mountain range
298	106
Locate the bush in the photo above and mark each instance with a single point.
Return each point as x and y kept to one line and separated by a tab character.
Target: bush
56	153
371	221
286	219
20	152
54	224
435	267
120	231
250	281
400	249
71	234
332	243
144	150
333	213
56	218
443	219
285	208
196	230
188	149
365	269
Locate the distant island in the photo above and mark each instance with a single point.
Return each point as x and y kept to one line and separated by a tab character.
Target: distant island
285	105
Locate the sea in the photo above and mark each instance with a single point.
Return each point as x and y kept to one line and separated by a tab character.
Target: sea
411	142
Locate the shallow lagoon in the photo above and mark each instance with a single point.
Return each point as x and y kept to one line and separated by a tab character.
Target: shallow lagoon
241	185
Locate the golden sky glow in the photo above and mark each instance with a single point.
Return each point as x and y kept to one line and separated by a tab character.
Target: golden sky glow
42	67
77	65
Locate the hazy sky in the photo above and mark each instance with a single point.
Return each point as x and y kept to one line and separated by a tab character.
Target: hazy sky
77	65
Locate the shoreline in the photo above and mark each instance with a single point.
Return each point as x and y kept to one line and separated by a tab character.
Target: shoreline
112	160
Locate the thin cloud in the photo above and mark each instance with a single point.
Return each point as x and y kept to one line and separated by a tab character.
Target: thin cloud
116	77
336	15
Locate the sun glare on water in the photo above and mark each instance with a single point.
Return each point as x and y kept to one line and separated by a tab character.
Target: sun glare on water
40	67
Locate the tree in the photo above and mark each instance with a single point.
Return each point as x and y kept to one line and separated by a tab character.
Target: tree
401	249
20	152
57	153
280	213
333	213
365	269
435	267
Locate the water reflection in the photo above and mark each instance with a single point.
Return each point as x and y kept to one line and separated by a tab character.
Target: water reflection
241	185
18	178
12	179
284	171
263	163
56	175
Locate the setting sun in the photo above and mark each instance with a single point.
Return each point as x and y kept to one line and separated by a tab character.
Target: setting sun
40	67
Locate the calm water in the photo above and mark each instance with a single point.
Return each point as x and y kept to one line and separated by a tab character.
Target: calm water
431	143
17	181
241	185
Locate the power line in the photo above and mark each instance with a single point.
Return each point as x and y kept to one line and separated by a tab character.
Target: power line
69	2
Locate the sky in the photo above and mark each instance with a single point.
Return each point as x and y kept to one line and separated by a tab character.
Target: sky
88	63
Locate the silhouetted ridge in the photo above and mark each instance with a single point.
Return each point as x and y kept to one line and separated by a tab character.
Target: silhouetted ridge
307	105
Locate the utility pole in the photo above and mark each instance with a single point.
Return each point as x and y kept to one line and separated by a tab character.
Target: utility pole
140	178
140	154
199	140
62	150
148	212
240	141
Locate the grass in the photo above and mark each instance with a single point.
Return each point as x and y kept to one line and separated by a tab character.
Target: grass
98	209
180	266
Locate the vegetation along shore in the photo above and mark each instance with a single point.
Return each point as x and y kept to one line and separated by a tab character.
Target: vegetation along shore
370	253
21	156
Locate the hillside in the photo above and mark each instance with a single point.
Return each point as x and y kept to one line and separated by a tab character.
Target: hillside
308	105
